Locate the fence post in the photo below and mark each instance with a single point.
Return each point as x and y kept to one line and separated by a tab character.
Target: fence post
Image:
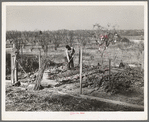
14	65
80	69
12	69
141	67
15	68
109	69
79	58
21	53
39	59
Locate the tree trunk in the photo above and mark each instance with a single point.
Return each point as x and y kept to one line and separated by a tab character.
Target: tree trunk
40	75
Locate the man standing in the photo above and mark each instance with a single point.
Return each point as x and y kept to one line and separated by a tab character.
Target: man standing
70	54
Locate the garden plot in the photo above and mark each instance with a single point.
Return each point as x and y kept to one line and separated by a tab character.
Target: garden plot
126	84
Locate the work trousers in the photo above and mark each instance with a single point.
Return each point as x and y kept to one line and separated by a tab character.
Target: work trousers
71	63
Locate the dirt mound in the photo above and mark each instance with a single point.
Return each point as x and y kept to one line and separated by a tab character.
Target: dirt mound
122	81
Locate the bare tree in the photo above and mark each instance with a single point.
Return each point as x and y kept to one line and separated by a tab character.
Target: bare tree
43	42
103	38
56	38
82	39
69	37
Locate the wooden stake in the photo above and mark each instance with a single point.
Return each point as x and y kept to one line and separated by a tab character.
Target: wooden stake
12	69
81	70
14	78
39	59
21	54
141	67
15	69
109	68
79	57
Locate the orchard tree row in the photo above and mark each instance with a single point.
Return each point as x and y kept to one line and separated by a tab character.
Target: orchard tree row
62	36
43	38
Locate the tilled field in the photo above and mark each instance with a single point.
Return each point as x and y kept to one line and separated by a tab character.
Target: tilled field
117	82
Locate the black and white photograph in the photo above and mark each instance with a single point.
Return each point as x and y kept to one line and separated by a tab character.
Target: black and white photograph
74	60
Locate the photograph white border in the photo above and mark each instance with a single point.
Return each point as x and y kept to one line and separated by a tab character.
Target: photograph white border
66	115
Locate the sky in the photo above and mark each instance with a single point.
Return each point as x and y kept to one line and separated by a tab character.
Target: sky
32	18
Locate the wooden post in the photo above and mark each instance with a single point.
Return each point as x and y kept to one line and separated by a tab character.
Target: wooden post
12	69
21	53
109	68
81	70
39	59
14	66
141	67
79	58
